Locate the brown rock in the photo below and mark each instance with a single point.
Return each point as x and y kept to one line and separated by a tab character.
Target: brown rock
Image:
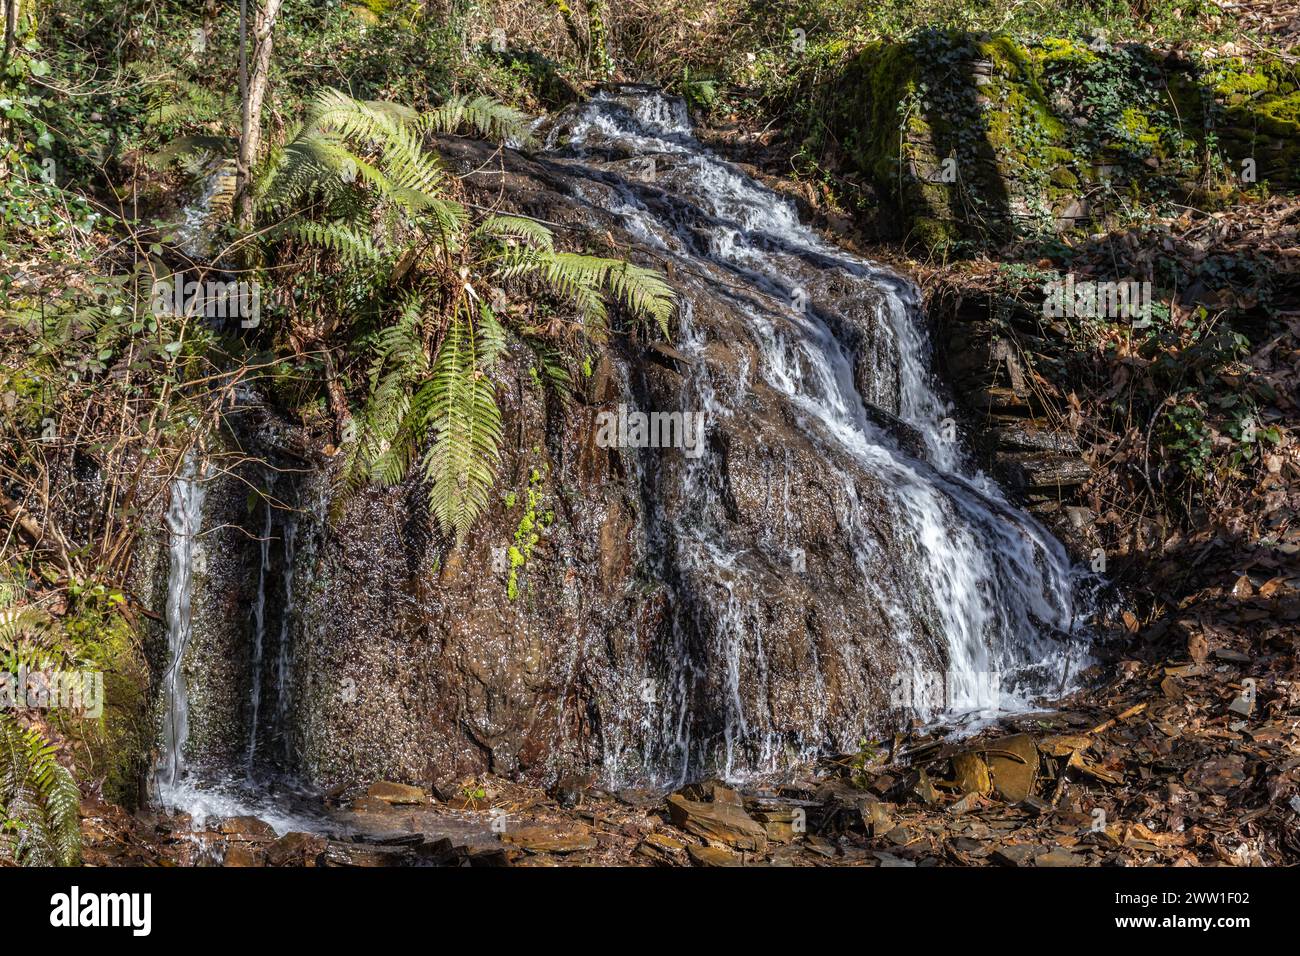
364	804
397	794
1062	745
295	849
1016	854
544	839
877	817
362	854
241	854
1059	857
971	801
724	822
1013	766
713	856
661	848
780	824
247	828
711	791
924	789
971	773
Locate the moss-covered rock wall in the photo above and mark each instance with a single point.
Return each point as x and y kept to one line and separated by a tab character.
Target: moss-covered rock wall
977	139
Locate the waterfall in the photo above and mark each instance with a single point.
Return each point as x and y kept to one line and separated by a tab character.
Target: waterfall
283	668
194	233
985	579
216	792
184	517
925	592
259	636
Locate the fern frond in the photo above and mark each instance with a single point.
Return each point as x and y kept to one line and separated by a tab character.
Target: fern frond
491	338
346	242
528	231
183	146
488	117
462	409
175	100
643	292
389	432
39	800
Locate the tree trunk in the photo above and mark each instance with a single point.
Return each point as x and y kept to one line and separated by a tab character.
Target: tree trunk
252	84
11	28
571	25
598	56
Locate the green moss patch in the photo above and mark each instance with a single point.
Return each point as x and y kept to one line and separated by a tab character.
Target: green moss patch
973	140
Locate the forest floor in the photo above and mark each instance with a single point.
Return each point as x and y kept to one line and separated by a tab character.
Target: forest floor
1188	755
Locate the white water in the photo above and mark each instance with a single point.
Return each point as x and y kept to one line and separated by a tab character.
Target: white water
259	636
183	520
208	795
194	233
995	584
283	667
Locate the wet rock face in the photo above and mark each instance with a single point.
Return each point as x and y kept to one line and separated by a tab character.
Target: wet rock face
412	662
688	611
215	663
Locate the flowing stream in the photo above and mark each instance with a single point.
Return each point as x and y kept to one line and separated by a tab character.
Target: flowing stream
183	519
998	589
203	791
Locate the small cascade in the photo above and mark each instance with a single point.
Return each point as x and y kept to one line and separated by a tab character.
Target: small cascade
284	660
254	784
194	232
259	636
963	575
184	517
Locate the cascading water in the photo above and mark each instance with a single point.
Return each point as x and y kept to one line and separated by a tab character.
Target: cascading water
987	584
213	791
259	636
183	520
202	787
831	540
283	668
194	233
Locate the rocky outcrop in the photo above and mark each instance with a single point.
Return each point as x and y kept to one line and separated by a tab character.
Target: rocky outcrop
994	351
420	666
984	138
736	607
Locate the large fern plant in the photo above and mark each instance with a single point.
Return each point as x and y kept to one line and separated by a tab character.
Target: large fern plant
358	181
40	822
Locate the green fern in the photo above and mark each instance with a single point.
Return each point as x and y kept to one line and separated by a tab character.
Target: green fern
487	117
356	181
505	228
346	242
28	639
40	807
40	818
462	408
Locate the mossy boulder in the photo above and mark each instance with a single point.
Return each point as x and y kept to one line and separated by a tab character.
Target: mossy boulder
976	139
